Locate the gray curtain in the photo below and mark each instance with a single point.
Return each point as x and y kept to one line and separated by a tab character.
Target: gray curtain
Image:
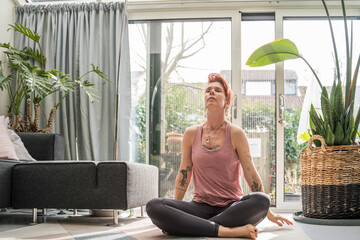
73	36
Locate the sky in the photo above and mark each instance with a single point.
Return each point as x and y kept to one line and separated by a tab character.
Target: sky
312	38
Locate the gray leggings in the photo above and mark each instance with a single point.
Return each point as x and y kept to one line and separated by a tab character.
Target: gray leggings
200	219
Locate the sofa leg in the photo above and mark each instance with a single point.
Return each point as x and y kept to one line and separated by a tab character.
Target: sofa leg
142	211
34	216
115	219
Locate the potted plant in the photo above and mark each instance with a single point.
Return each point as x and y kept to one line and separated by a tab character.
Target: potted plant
33	83
328	171
174	141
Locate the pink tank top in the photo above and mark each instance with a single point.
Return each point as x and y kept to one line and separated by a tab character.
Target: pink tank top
216	173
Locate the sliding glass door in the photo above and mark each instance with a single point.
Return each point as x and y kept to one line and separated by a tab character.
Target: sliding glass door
257	101
170	64
313	39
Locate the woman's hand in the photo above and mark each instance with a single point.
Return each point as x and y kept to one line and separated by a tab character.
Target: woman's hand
276	218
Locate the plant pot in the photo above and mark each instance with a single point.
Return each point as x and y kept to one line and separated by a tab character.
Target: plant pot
174	142
330	180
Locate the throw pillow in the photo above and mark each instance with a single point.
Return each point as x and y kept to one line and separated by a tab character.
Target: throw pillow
21	151
7	150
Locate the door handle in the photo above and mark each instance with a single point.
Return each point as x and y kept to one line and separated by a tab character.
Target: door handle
235	106
282	110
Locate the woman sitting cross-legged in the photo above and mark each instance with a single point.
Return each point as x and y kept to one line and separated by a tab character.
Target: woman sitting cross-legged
213	154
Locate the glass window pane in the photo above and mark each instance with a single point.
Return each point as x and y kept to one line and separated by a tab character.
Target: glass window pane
137	36
313	39
258	88
258	104
174	58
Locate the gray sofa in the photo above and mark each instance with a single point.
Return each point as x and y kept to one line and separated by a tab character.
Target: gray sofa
73	184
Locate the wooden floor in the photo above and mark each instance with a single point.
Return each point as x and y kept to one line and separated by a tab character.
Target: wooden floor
15	224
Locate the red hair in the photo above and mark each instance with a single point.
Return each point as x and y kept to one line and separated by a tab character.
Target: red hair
215	77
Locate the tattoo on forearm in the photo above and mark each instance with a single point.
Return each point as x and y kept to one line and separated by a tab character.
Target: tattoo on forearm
255	187
185	176
181	189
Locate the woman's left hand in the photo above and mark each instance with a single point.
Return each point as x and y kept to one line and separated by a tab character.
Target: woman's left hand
276	218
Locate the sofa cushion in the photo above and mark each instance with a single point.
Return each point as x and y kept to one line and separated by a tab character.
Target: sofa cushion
7	150
21	151
44	146
83	184
5	182
54	184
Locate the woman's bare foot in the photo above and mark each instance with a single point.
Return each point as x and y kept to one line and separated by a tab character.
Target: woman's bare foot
248	231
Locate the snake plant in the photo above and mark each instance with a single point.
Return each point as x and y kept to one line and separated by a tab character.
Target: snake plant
337	124
33	83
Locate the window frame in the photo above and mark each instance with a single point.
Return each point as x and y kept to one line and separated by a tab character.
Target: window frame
301	10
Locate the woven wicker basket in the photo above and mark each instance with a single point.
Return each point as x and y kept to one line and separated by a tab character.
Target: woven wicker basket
330	180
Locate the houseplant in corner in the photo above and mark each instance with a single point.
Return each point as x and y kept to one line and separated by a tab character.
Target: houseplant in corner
330	171
34	83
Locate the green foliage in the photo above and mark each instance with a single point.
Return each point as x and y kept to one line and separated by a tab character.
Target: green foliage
33	81
257	116
4	81
292	148
305	136
181	111
26	31
140	122
336	123
276	51
260	116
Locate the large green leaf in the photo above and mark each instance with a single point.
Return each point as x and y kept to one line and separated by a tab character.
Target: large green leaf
347	118
356	125
330	136
36	80
273	52
5	45
348	57
332	94
354	81
317	121
339	104
4	81
348	126
90	90
339	134
313	127
326	108
96	70
35	54
18	60
63	83
26	31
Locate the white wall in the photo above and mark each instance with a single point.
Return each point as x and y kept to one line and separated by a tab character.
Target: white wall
6	17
